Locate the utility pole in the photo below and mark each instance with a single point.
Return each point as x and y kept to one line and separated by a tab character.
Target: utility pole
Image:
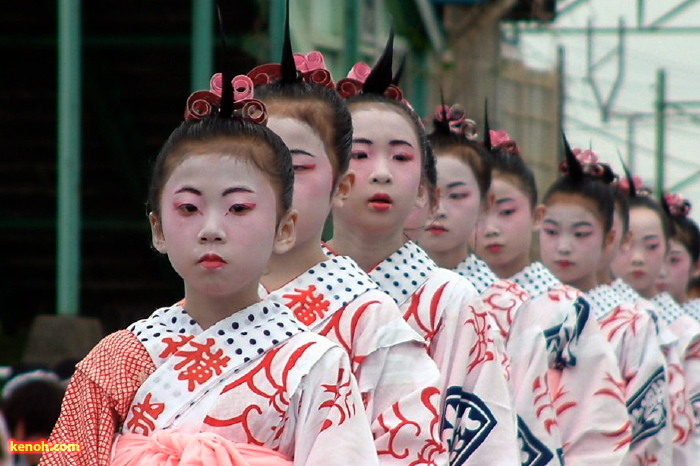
660	111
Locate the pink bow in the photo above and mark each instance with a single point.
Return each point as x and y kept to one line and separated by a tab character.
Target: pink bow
586	156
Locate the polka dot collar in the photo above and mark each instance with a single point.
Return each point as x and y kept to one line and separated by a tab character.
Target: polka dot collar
243	335
627	292
603	300
477	272
402	273
318	293
692	308
536	279
669	309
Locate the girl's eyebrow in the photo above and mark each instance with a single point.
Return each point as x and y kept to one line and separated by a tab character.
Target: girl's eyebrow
504	199
236	189
300	152
454	184
361	141
582	224
400	142
650	237
549	220
189	189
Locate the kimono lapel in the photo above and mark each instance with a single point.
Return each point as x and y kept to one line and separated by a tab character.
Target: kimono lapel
324	289
401	274
669	310
192	363
692	308
536	279
477	272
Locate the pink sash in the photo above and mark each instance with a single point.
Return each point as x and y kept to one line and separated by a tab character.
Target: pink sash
170	448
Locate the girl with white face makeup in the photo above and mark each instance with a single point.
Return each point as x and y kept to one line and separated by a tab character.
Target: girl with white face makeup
577	235
223	377
463	181
582	364
638	269
391	161
333	296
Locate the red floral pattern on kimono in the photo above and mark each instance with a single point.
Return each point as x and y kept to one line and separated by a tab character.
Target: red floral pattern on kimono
508	303
478	420
584	375
632	333
397	379
684	434
255	377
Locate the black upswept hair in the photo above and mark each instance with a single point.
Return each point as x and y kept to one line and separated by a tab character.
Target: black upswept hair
443	140
596	187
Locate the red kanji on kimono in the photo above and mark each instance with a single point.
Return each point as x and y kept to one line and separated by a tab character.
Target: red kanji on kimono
307	305
199	364
143	416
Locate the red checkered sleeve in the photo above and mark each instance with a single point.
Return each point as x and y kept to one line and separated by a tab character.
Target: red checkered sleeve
98	398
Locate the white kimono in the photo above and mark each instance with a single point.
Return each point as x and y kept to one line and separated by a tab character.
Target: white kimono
478	420
509	305
397	379
688	331
587	386
632	332
684	433
255	377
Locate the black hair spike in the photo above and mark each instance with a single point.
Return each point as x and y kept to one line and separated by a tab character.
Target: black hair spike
628	176
487	129
664	204
573	166
442	125
379	79
399	73
289	68
226	106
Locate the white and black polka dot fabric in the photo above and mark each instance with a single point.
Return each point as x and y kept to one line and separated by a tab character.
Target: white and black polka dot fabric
339	280
692	308
477	272
536	279
669	309
403	272
603	300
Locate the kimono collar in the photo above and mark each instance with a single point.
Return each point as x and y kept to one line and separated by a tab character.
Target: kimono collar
669	309
477	272
603	299
322	290
243	335
402	273
536	279
692	308
627	292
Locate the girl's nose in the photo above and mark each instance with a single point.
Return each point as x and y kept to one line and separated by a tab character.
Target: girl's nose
212	230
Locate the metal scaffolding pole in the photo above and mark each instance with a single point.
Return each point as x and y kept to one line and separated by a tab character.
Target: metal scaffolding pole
202	50
278	10
68	221
660	110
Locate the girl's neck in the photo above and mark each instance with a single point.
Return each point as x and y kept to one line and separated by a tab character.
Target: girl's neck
509	269
584	284
207	310
604	276
283	268
451	258
367	249
648	293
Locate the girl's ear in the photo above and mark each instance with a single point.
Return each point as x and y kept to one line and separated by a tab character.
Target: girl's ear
626	242
488	202
609	240
157	237
695	270
342	190
538	216
423	197
286	235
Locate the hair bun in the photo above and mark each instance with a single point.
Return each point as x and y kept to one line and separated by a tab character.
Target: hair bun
201	104
454	118
501	141
678	205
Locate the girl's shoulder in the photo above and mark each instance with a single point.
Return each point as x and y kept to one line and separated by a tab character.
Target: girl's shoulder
119	359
